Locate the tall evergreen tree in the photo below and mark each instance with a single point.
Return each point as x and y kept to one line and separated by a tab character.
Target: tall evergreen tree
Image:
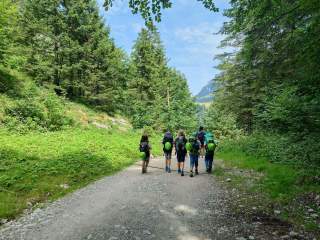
70	47
159	95
271	84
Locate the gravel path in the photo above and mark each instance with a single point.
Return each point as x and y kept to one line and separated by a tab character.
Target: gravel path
130	205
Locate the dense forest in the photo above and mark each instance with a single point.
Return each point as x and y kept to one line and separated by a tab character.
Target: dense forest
269	88
65	47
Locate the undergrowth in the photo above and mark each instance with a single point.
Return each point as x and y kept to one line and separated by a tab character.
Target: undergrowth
291	187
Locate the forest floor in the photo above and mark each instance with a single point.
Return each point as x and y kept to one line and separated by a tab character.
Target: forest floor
156	205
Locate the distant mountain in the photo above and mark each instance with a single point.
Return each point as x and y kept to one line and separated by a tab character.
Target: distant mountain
205	95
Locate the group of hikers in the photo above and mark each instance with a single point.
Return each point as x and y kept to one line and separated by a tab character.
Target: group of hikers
201	144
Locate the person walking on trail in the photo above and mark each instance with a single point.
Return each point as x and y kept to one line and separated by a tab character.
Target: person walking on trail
201	137
167	142
145	149
210	148
194	155
181	151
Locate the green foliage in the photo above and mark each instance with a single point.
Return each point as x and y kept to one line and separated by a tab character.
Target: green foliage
277	148
11	51
159	96
33	166
26	107
11	82
44	112
69	46
271	83
276	183
150	10
223	124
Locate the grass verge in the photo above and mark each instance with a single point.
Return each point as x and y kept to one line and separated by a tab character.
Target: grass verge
38	167
290	192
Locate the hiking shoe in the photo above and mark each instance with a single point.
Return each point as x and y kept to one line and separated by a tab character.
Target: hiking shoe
191	174
182	174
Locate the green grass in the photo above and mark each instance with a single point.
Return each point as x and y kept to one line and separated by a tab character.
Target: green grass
281	182
271	185
34	165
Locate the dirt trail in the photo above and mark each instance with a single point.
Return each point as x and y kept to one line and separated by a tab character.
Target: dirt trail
130	205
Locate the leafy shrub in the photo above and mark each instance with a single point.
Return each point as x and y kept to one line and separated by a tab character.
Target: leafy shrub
25	106
45	112
278	148
11	82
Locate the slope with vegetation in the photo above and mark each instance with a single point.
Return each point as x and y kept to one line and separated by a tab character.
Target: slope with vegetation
50	146
66	92
266	107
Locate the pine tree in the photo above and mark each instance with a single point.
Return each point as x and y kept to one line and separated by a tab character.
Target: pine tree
69	46
159	94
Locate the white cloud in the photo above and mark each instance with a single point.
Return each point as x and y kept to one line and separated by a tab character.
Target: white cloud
201	37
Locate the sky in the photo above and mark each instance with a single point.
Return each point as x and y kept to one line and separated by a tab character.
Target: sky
187	31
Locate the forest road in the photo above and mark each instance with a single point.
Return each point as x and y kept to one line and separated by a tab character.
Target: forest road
129	205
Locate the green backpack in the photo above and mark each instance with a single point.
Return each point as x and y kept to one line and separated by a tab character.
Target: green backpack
143	155
168	146
188	146
211	146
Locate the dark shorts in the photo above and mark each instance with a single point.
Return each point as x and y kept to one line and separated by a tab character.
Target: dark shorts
167	155
181	157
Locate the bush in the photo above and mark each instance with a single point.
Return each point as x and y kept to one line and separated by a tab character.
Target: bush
25	106
11	82
45	112
278	148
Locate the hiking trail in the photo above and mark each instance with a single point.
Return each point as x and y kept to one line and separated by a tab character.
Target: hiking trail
129	205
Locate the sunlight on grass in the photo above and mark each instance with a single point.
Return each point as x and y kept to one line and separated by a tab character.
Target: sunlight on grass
35	166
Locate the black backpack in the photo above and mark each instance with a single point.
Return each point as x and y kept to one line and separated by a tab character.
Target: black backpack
168	138
180	144
201	136
144	147
195	147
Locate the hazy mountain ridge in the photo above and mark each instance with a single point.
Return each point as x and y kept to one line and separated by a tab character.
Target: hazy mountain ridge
205	94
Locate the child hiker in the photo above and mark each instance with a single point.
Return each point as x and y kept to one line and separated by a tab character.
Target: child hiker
181	152
210	148
145	149
195	146
201	137
167	142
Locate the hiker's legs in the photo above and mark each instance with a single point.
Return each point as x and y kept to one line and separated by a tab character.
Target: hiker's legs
207	161
168	161
182	167
191	162
167	157
202	150
196	163
211	163
178	162
143	166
